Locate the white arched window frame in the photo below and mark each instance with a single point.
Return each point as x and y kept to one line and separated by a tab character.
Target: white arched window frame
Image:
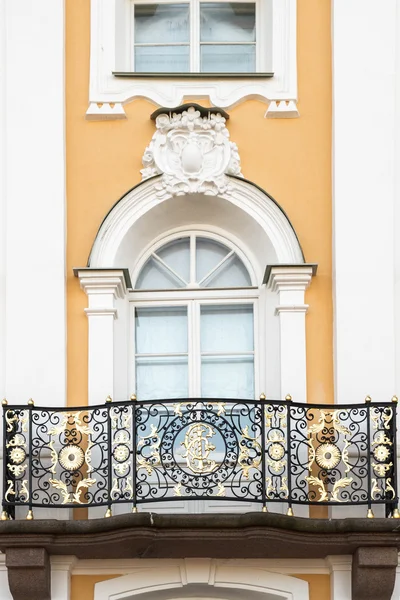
248	211
195	308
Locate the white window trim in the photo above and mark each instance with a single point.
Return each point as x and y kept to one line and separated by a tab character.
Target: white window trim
108	93
179	233
263	51
193	302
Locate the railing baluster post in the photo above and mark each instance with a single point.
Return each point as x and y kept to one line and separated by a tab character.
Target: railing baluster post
29	516
263	473
370	514
395	503
109	457
134	474
288	399
4	514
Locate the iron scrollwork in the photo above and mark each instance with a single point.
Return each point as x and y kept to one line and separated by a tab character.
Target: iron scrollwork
143	452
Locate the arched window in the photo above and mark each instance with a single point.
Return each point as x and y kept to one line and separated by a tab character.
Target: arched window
194	318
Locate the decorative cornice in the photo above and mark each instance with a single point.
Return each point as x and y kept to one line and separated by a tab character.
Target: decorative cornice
192	151
94	281
292	308
291	277
101	312
282	110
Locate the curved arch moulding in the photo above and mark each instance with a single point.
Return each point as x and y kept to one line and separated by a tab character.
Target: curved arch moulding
251	201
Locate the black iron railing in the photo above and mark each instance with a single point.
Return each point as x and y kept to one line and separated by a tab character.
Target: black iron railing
144	452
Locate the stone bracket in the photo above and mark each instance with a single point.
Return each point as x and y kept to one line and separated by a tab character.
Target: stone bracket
29	574
374	573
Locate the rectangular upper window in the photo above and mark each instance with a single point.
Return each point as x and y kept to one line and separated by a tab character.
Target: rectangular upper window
198	36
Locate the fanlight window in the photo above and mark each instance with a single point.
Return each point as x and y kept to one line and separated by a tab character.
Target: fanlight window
193	262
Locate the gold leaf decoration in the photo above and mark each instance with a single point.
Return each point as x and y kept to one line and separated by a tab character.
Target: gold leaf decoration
85	483
375	489
24	491
245	461
222	491
11	418
320	485
10	490
339	485
60	485
17	470
389	488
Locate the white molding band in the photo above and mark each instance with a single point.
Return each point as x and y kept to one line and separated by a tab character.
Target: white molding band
112	566
108	93
103	288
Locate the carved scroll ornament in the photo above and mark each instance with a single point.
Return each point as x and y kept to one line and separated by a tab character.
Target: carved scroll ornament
193	154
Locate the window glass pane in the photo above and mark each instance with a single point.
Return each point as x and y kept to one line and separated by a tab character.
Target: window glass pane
227	22
177	256
160	378
227	328
231	273
227	377
208	255
162	59
161	23
216	58
154	276
161	330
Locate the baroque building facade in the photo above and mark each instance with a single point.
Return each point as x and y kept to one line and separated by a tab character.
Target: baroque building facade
199	377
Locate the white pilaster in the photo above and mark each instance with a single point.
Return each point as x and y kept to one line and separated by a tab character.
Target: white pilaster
291	282
363	198
340	570
61	567
3	196
102	287
34	138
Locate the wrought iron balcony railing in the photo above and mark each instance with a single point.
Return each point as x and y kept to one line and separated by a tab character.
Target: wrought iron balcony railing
144	452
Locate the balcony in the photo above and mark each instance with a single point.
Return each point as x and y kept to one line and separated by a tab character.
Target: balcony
270	453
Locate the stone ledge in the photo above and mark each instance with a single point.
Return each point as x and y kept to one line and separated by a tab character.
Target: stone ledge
250	535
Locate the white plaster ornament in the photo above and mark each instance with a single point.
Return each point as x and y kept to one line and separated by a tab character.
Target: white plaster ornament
193	154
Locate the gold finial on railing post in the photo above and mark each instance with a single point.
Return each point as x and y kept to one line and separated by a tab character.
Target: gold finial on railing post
370	514
134	509
264	509
108	513
263	397
108	399
31	402
395	399
396	514
368	399
4	402
288	398
29	516
290	512
133	397
4	516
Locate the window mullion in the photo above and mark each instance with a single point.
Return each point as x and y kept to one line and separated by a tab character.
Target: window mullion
194	358
195	36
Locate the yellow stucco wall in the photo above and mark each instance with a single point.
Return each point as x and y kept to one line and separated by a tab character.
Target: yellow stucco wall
82	586
290	159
